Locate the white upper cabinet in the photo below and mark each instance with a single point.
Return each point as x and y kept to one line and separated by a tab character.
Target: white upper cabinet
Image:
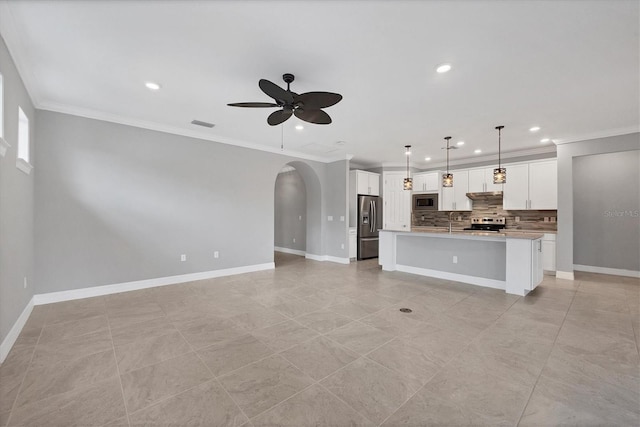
426	182
455	198
367	183
516	189
543	185
531	186
481	181
396	212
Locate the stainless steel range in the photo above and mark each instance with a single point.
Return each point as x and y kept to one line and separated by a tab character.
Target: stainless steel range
487	223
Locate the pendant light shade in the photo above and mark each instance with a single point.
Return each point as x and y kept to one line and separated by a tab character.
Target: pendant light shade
408	182
447	178
499	173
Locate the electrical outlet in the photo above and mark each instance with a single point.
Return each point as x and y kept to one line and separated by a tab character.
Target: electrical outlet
517	219
330	218
183	257
342	246
341	218
294	240
299	217
455	259
216	254
25	281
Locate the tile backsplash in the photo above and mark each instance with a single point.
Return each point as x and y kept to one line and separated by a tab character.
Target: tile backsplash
488	206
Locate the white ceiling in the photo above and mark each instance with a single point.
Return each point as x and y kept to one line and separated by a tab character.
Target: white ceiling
570	67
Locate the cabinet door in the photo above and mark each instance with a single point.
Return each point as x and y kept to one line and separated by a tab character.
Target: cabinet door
419	182
461	188
543	185
516	189
396	212
447	197
362	182
432	182
374	184
476	181
488	177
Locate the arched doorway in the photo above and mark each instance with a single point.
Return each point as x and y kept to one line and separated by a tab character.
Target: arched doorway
297	212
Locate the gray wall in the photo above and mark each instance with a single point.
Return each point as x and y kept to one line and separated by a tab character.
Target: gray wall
117	203
290	211
566	155
606	210
479	258
336	194
16	202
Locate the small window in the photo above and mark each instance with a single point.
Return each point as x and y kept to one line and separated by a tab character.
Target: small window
23	161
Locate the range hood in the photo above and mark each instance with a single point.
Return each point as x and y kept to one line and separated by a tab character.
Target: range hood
484	195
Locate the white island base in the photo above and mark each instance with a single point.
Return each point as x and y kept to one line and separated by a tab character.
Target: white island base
511	262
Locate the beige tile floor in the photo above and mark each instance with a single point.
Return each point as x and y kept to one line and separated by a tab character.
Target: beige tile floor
313	343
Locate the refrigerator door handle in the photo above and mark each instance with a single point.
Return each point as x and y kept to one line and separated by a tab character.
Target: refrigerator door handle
373	215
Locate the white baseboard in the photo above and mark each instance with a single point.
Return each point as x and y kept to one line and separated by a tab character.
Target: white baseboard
144	284
606	270
289	251
479	281
327	258
13	334
566	275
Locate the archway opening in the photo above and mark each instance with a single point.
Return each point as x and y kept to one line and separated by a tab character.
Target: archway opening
297	206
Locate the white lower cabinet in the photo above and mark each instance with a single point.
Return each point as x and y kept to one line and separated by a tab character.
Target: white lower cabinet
353	242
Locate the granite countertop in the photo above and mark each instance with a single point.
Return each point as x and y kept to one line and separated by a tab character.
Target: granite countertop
516	234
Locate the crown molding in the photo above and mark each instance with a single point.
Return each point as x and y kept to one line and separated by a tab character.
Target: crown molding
114	118
598	135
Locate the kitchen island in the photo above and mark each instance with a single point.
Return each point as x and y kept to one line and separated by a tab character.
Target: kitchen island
509	261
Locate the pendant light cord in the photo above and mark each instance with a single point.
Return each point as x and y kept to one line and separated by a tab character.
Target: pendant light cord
282	137
499	145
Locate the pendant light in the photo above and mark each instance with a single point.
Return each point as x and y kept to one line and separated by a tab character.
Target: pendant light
447	178
499	173
408	182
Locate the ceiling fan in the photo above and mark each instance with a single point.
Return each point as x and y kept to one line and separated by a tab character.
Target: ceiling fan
306	106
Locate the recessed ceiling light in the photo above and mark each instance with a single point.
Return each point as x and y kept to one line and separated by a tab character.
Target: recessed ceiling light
460	143
299	127
545	140
443	68
427	159
152	86
341	142
534	129
478	151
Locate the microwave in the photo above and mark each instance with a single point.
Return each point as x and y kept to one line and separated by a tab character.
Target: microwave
425	202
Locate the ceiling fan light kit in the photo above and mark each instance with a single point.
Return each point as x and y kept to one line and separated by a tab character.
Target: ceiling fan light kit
306	106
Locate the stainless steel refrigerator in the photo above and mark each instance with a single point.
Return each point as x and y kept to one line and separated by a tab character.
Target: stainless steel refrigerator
369	222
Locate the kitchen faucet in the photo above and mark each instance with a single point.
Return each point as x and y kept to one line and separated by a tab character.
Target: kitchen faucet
450	214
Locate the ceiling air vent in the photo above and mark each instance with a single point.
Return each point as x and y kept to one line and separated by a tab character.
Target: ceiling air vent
201	123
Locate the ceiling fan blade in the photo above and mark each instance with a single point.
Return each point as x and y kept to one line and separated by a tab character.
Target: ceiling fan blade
278	117
317	100
253	104
318	117
275	91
